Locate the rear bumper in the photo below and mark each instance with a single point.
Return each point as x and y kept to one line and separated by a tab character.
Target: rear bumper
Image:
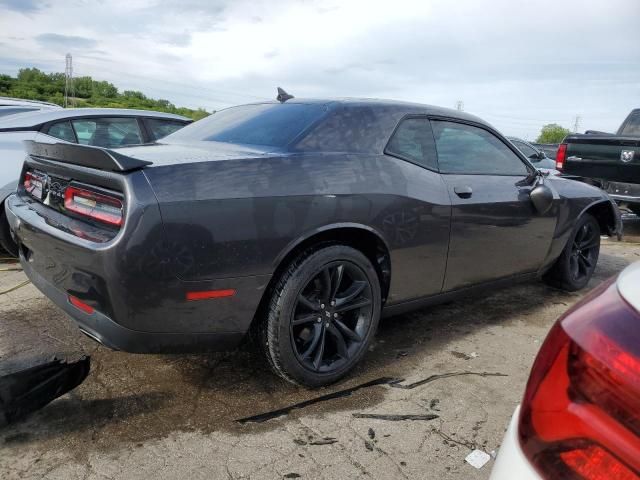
622	192
138	306
113	335
511	462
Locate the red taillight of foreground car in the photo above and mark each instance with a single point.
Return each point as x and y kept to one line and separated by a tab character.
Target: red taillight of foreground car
580	416
561	156
103	208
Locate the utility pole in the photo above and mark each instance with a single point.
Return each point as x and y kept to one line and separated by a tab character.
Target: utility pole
69	91
576	124
460	105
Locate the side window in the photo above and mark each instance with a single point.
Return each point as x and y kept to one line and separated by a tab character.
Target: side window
108	132
413	141
63	131
159	128
466	149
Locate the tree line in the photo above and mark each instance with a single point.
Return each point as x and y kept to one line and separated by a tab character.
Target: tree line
34	84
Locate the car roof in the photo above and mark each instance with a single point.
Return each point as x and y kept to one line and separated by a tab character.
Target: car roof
15	102
33	119
409	107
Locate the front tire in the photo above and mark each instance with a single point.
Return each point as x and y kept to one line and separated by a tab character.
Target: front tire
575	266
322	315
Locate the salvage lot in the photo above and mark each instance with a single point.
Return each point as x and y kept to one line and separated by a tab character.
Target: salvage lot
168	416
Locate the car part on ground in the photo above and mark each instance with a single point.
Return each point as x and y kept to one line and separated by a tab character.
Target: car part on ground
213	222
28	384
579	415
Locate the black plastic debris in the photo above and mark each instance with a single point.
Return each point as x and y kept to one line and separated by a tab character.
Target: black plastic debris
29	384
396	417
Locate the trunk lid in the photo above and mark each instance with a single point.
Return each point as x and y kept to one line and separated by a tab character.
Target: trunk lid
606	157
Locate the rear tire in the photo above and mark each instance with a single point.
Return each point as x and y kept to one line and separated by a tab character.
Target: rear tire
6	242
321	317
574	268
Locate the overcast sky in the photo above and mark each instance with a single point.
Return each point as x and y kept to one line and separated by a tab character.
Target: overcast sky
518	64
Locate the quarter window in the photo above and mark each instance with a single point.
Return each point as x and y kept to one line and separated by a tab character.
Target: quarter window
466	149
108	132
161	128
413	141
63	131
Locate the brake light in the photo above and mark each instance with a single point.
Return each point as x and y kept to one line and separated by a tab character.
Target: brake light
580	416
103	208
561	156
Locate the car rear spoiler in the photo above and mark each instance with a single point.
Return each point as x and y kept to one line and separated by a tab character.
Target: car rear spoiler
85	156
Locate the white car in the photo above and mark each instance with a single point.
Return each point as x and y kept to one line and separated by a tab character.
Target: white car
580	415
101	127
11	106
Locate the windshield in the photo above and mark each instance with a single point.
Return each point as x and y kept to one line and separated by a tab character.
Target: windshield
268	124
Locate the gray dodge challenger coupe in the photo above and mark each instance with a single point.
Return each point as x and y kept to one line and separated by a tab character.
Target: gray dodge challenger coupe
300	222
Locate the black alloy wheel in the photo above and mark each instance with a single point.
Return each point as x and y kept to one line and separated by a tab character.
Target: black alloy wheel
584	252
331	317
322	314
575	265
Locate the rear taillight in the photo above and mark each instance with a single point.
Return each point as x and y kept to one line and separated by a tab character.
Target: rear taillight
580	416
103	208
561	156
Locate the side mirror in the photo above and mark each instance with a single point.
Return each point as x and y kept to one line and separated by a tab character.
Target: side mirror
542	198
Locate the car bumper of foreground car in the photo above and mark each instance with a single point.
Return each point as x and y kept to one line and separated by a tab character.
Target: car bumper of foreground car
511	462
114	298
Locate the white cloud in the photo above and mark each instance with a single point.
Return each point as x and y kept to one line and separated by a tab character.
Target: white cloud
518	64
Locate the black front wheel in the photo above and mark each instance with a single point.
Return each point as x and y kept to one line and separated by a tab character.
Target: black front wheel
575	266
322	315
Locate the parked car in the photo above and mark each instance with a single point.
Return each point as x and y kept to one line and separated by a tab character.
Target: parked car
103	127
579	417
11	106
549	149
536	156
611	162
299	221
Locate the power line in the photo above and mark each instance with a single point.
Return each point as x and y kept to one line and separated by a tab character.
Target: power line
69	90
576	124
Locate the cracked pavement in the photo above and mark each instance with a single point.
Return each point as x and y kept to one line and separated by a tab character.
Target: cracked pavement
174	416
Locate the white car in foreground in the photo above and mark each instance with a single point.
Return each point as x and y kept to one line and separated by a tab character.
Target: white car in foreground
580	415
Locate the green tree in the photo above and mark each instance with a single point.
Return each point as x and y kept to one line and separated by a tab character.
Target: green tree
34	84
552	133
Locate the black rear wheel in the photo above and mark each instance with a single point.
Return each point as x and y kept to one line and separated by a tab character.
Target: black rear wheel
575	266
323	313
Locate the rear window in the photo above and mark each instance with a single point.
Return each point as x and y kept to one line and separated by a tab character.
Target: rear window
631	127
271	125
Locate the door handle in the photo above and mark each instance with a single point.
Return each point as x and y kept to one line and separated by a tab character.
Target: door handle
463	192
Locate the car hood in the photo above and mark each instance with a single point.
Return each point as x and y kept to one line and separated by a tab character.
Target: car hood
162	154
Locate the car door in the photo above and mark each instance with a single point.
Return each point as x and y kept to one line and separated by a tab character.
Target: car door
495	230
